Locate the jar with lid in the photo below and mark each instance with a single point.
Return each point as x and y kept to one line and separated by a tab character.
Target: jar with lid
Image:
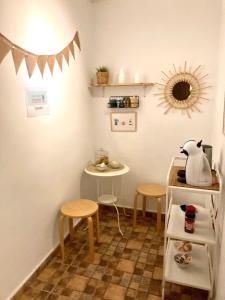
134	101
189	223
101	156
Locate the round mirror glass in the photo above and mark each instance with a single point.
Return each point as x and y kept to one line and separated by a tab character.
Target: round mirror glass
181	90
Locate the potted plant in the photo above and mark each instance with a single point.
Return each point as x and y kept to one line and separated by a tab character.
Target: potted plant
102	75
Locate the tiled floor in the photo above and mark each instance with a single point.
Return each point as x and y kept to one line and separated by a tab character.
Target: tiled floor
128	267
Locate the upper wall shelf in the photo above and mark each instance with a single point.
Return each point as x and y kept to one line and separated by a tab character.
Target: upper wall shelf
143	85
146	84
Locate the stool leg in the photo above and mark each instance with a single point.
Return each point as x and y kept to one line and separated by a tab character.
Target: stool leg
71	228
135	209
61	234
158	214
144	206
90	238
97	226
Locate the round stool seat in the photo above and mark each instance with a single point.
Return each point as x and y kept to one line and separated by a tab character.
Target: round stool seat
81	208
152	190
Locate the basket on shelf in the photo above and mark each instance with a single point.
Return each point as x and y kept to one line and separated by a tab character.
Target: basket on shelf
102	75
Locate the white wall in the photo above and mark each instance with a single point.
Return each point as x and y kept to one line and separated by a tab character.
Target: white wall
219	144
149	36
41	158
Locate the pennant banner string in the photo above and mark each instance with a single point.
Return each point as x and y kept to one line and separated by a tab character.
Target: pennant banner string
32	59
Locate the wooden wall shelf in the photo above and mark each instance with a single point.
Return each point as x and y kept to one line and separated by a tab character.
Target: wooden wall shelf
143	85
146	84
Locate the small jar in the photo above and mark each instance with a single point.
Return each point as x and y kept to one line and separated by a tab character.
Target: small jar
126	102
189	222
189	225
134	101
101	156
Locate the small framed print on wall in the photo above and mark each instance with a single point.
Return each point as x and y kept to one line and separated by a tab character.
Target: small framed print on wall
123	121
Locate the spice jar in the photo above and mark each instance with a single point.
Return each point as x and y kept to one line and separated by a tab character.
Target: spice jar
126	101
189	223
134	101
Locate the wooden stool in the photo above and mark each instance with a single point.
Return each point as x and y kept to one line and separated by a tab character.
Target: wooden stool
81	208
155	191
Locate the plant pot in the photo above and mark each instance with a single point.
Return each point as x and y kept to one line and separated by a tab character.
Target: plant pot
102	77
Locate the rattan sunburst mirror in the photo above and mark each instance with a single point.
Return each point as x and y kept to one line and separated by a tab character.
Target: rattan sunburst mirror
183	89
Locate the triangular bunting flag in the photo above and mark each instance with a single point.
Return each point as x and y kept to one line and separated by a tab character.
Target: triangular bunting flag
41	61
77	40
18	57
59	58
31	61
4	49
66	54
51	62
71	47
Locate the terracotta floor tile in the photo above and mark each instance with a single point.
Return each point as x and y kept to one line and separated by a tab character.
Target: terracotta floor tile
185	297
115	292
132	293
78	283
105	238
134	244
126	265
141	228
158	273
161	250
52	297
152	297
46	274
125	280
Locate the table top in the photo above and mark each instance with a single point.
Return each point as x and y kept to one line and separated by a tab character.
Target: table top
109	172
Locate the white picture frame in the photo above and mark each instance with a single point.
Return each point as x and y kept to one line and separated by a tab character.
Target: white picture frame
37	102
123	121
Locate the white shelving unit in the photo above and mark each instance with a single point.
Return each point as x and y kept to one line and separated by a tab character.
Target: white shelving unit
200	273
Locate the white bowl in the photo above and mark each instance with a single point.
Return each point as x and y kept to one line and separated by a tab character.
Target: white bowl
101	167
115	164
183	260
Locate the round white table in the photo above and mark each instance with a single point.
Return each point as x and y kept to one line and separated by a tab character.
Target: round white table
111	198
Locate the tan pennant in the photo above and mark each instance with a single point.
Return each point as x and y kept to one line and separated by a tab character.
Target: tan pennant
18	56
66	54
77	40
4	49
51	62
71	48
31	61
59	58
41	61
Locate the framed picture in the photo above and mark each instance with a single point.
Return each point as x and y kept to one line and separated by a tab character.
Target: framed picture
123	121
37	102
